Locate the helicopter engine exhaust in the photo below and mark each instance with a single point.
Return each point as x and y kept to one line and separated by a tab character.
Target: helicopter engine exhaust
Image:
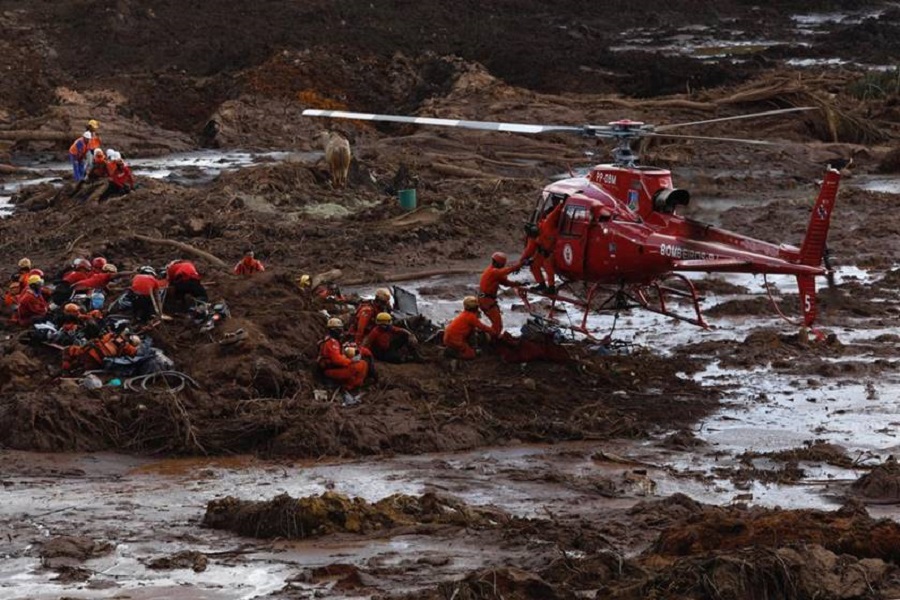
666	199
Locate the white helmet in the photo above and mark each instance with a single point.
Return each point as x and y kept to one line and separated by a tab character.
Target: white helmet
87	135
113	155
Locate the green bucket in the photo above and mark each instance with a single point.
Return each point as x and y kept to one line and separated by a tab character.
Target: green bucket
407	199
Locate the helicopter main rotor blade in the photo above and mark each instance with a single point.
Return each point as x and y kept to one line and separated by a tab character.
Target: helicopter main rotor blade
767	113
710	139
481	125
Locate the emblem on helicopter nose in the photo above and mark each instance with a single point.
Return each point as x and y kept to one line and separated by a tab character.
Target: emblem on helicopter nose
568	255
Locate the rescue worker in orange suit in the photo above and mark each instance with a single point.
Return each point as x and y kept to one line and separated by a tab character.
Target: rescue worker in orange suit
94	127
78	152
121	179
364	320
145	294
248	265
458	332
349	372
492	278
18	284
390	343
81	269
73	319
97	280
98	171
184	279
540	246
32	304
97	264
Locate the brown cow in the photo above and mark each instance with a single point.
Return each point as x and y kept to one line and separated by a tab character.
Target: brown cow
337	155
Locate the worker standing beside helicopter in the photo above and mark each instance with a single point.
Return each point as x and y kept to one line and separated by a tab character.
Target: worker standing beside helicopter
496	274
540	246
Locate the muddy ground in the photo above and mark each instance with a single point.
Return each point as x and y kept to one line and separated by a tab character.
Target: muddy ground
158	77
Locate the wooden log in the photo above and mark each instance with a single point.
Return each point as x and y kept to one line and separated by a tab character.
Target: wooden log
454	171
210	258
10	170
395	277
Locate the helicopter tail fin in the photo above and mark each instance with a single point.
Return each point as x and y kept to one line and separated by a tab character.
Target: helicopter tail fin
813	249
812	252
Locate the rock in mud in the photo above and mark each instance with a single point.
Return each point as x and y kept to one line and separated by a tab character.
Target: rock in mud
881	485
69	550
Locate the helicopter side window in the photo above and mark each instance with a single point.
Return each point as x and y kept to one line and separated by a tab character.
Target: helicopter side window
574	219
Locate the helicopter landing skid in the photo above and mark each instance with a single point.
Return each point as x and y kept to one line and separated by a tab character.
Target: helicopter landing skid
651	297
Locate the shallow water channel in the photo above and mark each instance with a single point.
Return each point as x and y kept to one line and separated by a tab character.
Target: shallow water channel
151	509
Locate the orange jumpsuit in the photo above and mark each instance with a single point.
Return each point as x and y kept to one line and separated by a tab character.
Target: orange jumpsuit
365	319
546	242
248	266
32	307
349	373
456	334
488	287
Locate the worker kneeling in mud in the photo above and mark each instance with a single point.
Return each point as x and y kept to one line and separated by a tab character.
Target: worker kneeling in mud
391	343
458	333
348	371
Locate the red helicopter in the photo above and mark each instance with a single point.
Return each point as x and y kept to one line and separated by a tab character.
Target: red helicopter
621	242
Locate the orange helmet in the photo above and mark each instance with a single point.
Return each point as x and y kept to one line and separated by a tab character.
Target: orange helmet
97	263
499	259
71	309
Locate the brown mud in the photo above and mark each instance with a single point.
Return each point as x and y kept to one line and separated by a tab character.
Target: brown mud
178	76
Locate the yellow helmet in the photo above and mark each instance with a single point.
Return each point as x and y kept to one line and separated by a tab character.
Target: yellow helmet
383	294
35	279
335	323
93	124
350	350
305	281
24	263
383	318
470	302
109	268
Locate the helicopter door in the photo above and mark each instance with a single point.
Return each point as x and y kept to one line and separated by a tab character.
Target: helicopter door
573	230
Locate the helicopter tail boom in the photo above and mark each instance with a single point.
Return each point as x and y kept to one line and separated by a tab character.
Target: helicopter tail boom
812	251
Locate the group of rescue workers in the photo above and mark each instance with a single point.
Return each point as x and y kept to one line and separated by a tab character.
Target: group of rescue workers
91	164
346	355
73	311
75	303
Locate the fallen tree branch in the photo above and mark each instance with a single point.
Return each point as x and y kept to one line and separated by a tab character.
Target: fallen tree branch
210	258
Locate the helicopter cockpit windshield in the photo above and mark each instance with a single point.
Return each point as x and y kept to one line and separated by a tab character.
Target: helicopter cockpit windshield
546	202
